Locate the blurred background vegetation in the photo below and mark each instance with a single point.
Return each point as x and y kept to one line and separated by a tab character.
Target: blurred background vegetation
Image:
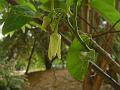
16	48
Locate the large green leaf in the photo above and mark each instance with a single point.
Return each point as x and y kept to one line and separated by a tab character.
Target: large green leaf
110	2
17	17
107	11
78	59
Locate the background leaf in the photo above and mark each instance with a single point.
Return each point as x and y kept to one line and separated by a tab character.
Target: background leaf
17	17
27	3
107	11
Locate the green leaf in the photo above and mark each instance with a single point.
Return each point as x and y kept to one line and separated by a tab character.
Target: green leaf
17	17
3	4
78	59
107	11
25	10
54	46
110	2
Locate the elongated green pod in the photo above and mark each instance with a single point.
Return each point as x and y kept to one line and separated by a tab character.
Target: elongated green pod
54	46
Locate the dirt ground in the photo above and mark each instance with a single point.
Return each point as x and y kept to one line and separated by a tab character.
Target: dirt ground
55	80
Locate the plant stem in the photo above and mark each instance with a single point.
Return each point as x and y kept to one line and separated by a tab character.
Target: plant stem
76	31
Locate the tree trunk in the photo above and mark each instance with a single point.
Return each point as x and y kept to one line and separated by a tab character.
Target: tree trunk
84	13
101	62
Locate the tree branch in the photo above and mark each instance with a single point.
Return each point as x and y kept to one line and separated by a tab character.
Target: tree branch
110	60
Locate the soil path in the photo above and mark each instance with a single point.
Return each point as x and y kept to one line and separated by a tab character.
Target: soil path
54	80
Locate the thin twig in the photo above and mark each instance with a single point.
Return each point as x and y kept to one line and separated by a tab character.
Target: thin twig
104	33
30	57
67	41
100	72
108	31
114	25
